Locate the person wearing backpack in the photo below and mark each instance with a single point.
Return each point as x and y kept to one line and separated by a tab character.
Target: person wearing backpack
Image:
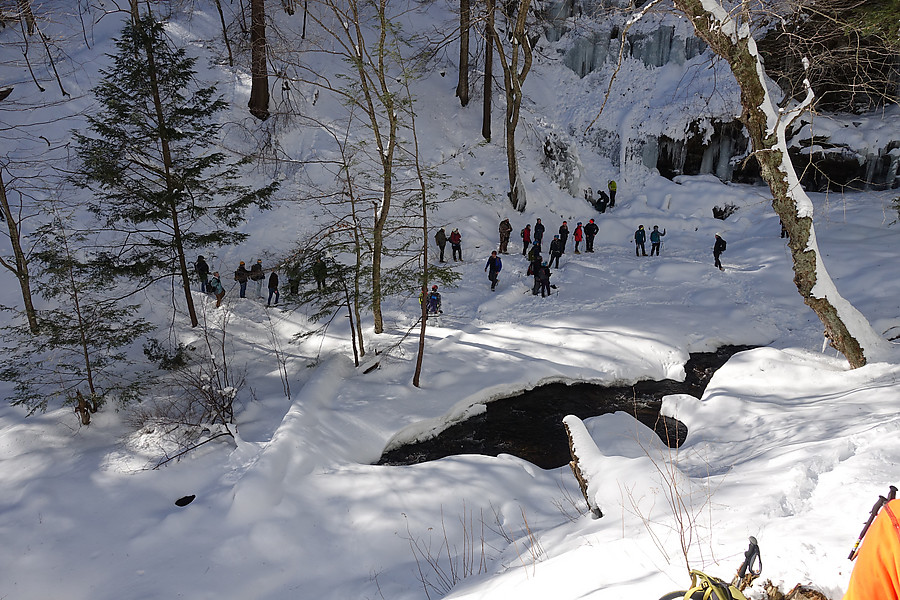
640	236
257	274
718	249
526	239
543	277
493	267
202	270
215	287
432	301
876	574
242	276
578	236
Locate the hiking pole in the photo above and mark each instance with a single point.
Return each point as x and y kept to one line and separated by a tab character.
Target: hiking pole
892	494
751	567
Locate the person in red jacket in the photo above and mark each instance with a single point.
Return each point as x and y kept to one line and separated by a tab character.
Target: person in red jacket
876	575
526	239
456	243
578	236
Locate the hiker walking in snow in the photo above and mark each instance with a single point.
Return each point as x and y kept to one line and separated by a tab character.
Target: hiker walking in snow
440	238
612	193
526	239
215	287
431	300
718	249
563	236
640	236
273	288
456	243
555	250
257	274
319	271
492	268
242	275
543	277
538	231
578	236
655	240
590	232
202	270
505	230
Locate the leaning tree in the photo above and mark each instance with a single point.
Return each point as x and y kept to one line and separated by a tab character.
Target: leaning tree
729	32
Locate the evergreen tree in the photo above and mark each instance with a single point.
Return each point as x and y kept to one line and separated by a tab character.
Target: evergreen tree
78	355
151	161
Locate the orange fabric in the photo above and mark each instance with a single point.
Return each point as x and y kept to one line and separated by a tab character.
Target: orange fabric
876	575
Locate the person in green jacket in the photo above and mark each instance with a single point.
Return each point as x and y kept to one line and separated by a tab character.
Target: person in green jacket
612	193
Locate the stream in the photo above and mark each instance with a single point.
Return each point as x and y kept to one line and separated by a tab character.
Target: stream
529	425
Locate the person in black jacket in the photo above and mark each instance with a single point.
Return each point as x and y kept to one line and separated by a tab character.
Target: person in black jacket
242	275
543	277
493	267
538	232
440	238
590	232
563	236
718	249
202	270
273	289
555	250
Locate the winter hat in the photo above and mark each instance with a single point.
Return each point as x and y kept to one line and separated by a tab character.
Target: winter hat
565	222
555	237
434	287
579	223
592	220
656	227
201	257
258	260
640	226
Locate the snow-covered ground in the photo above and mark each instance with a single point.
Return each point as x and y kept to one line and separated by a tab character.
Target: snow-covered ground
787	444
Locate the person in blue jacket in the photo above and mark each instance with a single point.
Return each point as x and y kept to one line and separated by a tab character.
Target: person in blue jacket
493	267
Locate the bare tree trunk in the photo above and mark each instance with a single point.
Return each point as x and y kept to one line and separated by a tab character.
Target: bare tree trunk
513	79
225	33
848	331
465	20
259	89
488	71
26	14
20	268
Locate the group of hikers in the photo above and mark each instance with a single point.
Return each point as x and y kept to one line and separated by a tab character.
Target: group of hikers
256	273
603	200
532	248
